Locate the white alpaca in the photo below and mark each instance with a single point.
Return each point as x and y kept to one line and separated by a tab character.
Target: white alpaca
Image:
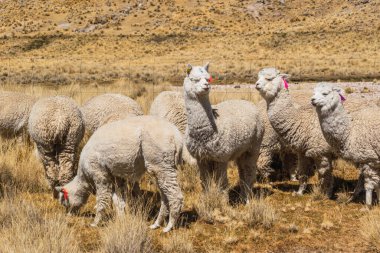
123	151
170	106
231	130
15	108
56	126
355	136
298	127
107	108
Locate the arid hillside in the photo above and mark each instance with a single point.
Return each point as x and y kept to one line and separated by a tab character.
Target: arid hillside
61	41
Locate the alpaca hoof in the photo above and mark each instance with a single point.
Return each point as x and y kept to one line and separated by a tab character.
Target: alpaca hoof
167	229
297	193
94	225
293	178
154	226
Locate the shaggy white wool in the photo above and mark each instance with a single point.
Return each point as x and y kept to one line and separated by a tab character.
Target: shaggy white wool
231	130
298	128
56	126
354	136
123	151
15	108
107	108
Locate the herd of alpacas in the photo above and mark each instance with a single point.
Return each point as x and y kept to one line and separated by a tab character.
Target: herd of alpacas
124	144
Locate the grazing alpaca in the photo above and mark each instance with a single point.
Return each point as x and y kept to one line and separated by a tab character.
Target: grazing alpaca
123	151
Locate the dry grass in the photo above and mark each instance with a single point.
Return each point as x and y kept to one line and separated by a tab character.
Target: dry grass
317	193
20	167
213	203
258	212
27	228
370	229
128	234
180	241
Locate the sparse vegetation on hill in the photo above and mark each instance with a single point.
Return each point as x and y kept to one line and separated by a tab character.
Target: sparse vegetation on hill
100	41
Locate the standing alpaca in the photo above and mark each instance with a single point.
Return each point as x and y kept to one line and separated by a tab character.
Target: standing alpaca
125	150
298	127
231	130
355	136
56	126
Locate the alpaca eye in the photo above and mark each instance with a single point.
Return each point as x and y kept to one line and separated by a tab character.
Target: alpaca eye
324	94
269	78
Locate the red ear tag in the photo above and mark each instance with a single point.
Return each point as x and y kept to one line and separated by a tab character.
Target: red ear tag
65	194
286	85
210	79
342	98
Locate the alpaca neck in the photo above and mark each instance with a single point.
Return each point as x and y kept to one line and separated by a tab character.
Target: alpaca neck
335	125
81	185
283	115
200	119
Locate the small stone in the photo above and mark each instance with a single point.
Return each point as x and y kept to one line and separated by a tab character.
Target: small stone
307	209
307	231
293	228
327	225
293	208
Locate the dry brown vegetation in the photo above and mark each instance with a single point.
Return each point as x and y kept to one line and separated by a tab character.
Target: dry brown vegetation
211	221
148	41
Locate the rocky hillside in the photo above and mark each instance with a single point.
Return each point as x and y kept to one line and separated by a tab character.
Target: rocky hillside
311	39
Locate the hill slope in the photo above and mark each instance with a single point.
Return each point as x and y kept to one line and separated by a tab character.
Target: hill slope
311	39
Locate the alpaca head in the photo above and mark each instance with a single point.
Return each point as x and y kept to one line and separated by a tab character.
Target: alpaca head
197	81
270	82
326	97
72	196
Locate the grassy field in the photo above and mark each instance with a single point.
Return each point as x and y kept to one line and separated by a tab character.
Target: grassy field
274	221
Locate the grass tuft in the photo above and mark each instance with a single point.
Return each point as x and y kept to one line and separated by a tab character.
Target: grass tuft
370	229
25	227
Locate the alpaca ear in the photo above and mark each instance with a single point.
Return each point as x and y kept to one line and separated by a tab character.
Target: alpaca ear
188	69
337	89
206	66
284	76
58	188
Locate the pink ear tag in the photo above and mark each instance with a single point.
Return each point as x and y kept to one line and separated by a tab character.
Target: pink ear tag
286	85
342	98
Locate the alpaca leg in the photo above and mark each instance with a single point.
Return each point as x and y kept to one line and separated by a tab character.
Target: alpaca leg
303	164
247	173
326	179
104	191
67	165
50	163
359	187
288	164
119	196
370	182
171	193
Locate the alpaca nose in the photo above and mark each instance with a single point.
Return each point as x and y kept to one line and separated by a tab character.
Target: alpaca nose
258	85
313	101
